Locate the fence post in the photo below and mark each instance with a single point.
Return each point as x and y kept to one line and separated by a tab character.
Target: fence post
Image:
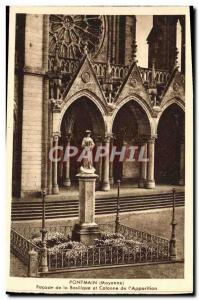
44	253
33	263
117	220
172	244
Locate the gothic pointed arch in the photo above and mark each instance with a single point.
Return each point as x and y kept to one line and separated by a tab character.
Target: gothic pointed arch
141	106
78	95
82	114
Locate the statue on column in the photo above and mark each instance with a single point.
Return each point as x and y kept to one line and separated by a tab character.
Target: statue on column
87	145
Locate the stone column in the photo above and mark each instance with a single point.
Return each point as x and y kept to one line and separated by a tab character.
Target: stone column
87	230
67	181
111	181
150	183
50	165
98	164
182	162
105	180
143	167
55	187
60	164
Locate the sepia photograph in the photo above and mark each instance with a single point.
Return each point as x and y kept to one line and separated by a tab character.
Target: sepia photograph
99	182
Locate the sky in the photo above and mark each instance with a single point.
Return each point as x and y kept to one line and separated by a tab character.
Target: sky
143	27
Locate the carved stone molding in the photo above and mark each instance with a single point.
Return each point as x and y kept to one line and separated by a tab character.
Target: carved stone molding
176	86
133	82
36	71
151	139
108	137
85	77
156	110
56	105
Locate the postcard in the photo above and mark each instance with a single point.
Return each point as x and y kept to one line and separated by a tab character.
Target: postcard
100	150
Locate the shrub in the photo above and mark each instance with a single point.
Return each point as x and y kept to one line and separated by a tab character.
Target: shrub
108	235
70	247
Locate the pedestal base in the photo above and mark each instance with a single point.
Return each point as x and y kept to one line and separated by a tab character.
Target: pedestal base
105	186
85	233
150	184
67	182
55	189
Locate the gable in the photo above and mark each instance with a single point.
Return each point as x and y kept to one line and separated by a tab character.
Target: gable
175	88
132	85
85	79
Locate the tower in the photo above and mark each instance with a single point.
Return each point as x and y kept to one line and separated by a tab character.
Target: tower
162	42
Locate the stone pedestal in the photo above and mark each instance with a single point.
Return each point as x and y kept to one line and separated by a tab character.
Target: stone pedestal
87	230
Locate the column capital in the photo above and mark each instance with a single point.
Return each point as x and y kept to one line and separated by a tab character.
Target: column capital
56	137
108	137
152	138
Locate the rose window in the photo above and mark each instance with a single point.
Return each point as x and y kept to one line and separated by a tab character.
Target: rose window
71	36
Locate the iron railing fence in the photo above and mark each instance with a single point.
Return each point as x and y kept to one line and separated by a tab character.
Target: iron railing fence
29	231
143	237
21	246
139	247
106	256
107	227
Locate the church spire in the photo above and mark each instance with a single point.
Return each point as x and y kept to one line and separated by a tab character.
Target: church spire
153	73
134	51
176	58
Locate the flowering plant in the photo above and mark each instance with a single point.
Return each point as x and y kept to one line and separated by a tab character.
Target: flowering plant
53	239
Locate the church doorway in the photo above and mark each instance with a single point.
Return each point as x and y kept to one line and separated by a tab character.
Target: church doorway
169	151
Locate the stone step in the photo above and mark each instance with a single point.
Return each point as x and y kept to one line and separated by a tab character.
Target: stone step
98	200
64	209
99	205
61	216
106	200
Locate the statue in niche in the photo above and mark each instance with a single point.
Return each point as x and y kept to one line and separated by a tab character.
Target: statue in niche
87	145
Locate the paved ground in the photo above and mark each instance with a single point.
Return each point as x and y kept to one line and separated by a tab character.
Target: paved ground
156	271
155	222
17	268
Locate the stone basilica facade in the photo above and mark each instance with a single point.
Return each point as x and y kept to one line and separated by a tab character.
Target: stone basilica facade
78	72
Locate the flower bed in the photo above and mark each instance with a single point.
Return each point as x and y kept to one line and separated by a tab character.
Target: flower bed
109	249
57	242
129	246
